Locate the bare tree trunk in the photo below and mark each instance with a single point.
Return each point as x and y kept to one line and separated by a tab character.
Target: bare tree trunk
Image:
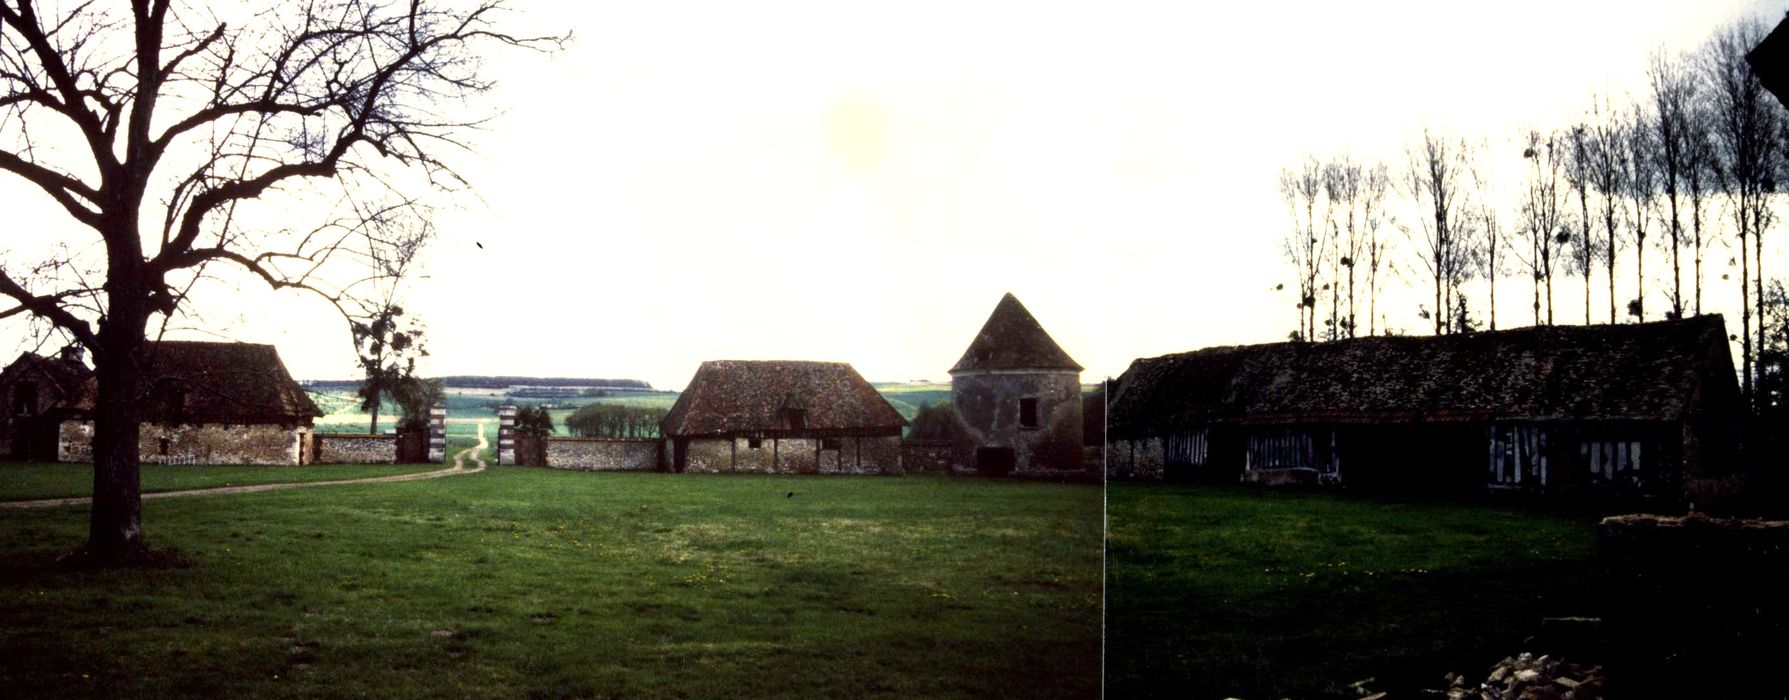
1745	321
115	528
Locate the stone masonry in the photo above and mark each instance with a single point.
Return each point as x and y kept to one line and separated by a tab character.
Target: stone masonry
208	443
355	449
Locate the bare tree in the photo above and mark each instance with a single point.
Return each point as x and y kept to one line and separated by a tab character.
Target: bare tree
1304	245
1640	181
1435	182
1674	125
1748	125
1358	191
190	116
1608	136
1543	217
1375	186
1490	250
1701	181
1581	154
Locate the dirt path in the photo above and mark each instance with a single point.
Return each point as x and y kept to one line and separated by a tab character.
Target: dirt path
459	467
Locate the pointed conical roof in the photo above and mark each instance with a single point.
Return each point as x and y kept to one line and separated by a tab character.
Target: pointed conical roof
1012	339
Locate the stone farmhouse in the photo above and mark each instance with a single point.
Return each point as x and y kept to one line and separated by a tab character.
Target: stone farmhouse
207	403
1017	397
36	390
1642	409
782	417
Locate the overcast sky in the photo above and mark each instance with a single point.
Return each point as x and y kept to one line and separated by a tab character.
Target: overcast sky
835	181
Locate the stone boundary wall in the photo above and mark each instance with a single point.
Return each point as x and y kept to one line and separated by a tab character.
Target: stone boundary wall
340	448
853	455
927	455
205	443
1694	605
602	454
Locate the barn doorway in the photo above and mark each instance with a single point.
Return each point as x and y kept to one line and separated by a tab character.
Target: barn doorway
680	454
995	461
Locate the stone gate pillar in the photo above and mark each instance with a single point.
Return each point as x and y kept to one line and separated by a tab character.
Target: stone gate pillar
506	435
437	434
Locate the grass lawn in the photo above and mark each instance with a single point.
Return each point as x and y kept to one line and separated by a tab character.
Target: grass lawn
1217	592
536	583
32	480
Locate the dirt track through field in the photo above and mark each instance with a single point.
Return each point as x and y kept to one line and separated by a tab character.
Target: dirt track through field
459	467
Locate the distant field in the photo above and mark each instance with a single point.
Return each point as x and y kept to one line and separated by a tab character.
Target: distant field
908	398
465	408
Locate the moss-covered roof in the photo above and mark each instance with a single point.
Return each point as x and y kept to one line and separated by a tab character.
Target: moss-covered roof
729	397
1013	339
1649	371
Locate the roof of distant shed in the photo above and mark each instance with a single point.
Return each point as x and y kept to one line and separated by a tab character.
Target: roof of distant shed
222	383
1612	372
743	396
1013	339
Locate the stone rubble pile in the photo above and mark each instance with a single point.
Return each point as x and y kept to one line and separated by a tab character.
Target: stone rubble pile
1522	677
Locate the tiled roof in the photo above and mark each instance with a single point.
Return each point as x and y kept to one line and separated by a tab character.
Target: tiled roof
737	396
1013	339
1647	371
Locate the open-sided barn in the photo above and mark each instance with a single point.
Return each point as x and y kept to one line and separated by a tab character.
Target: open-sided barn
1646	408
782	417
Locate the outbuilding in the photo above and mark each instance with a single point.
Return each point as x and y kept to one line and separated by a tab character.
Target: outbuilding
784	417
208	403
1648	409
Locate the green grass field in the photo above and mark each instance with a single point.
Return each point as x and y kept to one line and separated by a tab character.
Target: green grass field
544	584
342	413
1218	592
28	480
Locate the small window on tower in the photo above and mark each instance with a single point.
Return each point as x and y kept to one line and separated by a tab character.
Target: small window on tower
1027	413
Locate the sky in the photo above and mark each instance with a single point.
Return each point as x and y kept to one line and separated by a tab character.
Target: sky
861	183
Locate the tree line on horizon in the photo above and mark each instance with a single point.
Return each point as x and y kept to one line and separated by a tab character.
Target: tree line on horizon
1688	167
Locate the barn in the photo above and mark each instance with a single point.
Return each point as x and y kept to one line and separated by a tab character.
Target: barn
208	403
783	417
1646	409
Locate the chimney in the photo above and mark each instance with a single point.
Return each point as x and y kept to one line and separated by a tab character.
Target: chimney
74	353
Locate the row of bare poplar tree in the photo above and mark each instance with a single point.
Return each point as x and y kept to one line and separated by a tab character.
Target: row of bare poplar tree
1689	164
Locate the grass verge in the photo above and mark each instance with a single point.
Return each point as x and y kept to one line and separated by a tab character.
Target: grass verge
1217	592
21	481
525	582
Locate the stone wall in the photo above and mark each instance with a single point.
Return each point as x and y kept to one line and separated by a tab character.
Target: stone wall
932	456
600	454
1135	459
851	455
1694	605
207	443
334	448
987	405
